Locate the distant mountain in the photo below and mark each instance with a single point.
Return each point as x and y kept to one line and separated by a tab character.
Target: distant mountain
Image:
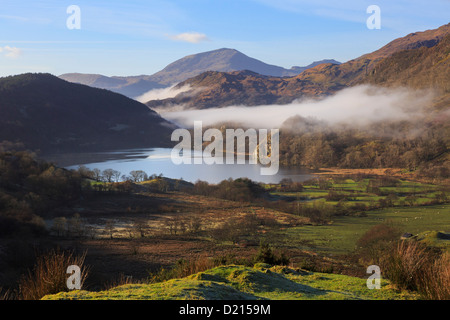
298	70
418	60
47	113
128	86
224	60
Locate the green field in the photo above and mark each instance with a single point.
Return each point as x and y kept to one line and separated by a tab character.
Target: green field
341	235
400	203
403	193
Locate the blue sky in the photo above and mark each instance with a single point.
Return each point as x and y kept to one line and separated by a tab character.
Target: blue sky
141	37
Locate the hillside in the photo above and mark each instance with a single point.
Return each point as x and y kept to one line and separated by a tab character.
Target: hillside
219	89
46	113
421	68
260	282
415	40
223	60
419	60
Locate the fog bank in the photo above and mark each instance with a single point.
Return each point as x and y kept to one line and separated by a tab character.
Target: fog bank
355	106
163	93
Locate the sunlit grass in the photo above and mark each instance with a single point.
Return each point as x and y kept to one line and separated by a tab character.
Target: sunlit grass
255	283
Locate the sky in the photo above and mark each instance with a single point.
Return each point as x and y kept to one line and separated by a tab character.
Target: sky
135	37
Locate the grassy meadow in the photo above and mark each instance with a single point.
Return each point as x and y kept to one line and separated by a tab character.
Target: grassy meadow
403	206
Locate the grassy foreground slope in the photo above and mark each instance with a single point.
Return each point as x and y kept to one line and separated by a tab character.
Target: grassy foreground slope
248	283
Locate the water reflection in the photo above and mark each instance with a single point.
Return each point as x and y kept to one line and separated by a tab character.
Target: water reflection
157	161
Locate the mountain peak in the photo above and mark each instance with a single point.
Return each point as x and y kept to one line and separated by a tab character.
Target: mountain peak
221	60
226	49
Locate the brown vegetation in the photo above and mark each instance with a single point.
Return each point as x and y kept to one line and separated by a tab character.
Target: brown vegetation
49	274
408	264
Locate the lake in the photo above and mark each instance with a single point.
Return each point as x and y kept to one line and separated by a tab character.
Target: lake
158	161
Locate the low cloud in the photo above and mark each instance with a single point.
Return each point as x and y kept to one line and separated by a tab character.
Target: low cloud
356	106
10	52
191	37
164	93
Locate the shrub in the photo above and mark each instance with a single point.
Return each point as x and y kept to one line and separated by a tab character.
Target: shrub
6	294
435	282
376	242
335	196
406	264
287	185
49	274
414	266
267	255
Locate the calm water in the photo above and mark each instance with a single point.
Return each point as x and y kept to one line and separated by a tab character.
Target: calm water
158	161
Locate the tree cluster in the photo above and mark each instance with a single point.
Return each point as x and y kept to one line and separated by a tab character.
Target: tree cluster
30	189
241	189
390	145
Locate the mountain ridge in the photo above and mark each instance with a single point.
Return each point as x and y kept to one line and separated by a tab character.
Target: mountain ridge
224	59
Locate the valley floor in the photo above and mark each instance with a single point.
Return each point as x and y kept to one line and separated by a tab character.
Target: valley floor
131	251
129	237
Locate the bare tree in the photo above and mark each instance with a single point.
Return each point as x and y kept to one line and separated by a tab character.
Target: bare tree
108	174
176	225
138	175
97	174
116	175
126	178
194	225
85	172
140	227
109	228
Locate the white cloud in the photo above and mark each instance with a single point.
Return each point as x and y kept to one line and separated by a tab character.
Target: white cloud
16	18
192	37
11	52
